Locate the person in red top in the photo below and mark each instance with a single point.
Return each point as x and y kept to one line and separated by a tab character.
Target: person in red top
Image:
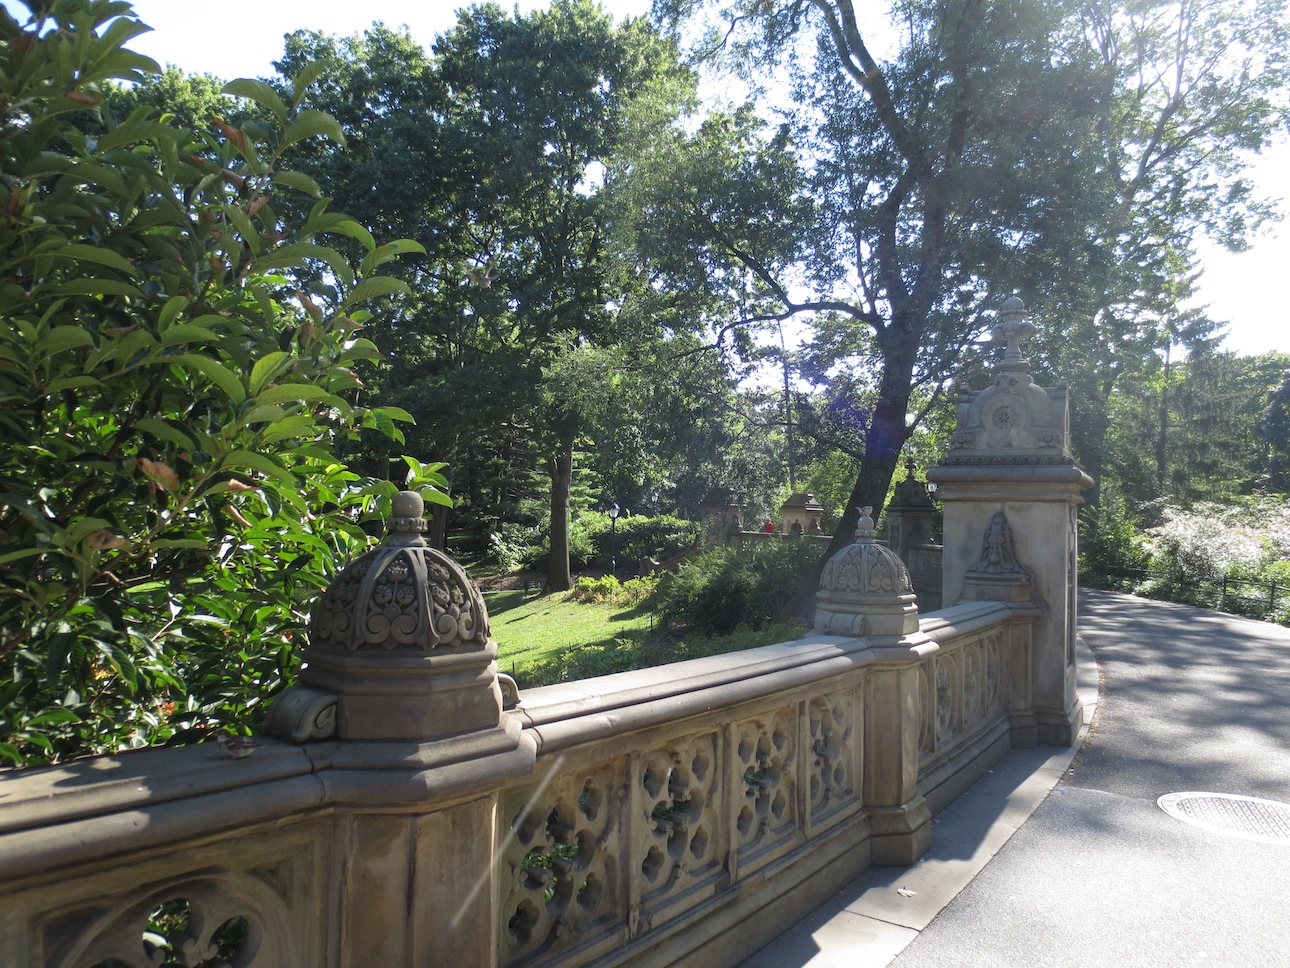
770	526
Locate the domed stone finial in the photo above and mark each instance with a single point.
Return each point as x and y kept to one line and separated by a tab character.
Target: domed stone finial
1011	329
401	637
865	589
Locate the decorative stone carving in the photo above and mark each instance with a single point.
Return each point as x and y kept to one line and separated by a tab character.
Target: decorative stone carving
766	754
401	594
964	689
563	852
997	575
679	793
301	714
865	589
1012	421
998	554
832	774
927	708
401	640
202	922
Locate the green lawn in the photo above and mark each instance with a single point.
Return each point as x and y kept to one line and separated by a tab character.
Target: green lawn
553	638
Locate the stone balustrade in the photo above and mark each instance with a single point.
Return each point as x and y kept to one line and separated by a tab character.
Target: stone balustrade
409	808
690	811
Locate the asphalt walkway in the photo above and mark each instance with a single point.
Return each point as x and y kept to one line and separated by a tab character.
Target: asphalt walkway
1058	858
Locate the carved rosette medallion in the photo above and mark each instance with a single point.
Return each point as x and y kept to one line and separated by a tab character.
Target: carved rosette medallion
401	594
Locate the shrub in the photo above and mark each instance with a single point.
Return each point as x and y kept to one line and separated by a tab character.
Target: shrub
718	591
1110	544
608	589
1213	540
173	396
594	539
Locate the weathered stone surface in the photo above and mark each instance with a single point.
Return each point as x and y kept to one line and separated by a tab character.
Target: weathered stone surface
865	590
1011	490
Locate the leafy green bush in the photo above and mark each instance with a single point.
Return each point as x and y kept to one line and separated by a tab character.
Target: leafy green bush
173	398
608	589
721	590
1110	544
632	540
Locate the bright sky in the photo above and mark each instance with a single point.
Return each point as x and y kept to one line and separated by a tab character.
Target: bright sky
240	38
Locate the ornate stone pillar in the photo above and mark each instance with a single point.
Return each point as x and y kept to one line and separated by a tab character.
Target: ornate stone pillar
722	519
401	688
1011	489
909	533
865	591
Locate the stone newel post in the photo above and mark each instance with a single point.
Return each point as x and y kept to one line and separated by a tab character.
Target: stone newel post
1011	489
401	684
865	591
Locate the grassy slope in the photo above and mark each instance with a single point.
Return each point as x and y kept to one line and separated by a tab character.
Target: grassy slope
555	639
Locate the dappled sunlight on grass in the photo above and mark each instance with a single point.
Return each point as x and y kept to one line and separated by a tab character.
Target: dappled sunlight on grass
554	638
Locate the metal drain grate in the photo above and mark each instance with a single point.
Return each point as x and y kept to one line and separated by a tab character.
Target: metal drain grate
1250	818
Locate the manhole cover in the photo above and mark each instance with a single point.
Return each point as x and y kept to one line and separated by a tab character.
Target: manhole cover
1249	818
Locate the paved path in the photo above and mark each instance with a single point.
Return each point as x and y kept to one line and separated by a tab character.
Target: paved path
1098	874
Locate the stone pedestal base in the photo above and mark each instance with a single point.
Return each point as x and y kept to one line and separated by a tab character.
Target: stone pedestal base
1025	730
900	835
1060	727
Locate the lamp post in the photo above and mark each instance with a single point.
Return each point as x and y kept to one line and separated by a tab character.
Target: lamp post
613	540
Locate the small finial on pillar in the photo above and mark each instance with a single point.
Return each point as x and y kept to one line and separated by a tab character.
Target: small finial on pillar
406	523
864	527
1011	329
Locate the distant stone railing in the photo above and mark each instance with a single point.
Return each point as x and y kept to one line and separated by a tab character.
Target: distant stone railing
407	807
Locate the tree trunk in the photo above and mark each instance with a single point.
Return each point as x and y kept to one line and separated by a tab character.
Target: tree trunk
560	469
884	439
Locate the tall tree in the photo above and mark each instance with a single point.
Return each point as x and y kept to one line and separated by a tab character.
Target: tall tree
493	151
926	174
1190	90
966	149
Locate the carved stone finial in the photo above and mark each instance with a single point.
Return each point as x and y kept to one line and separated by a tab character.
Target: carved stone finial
1011	329
865	589
406	523
865	531
401	594
400	638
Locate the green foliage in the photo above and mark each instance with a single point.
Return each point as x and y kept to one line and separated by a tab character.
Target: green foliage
1111	547
1233	556
633	539
608	589
720	590
1273	429
173	399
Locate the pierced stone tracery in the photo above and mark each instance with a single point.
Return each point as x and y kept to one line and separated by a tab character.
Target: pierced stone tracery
562	853
766	756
